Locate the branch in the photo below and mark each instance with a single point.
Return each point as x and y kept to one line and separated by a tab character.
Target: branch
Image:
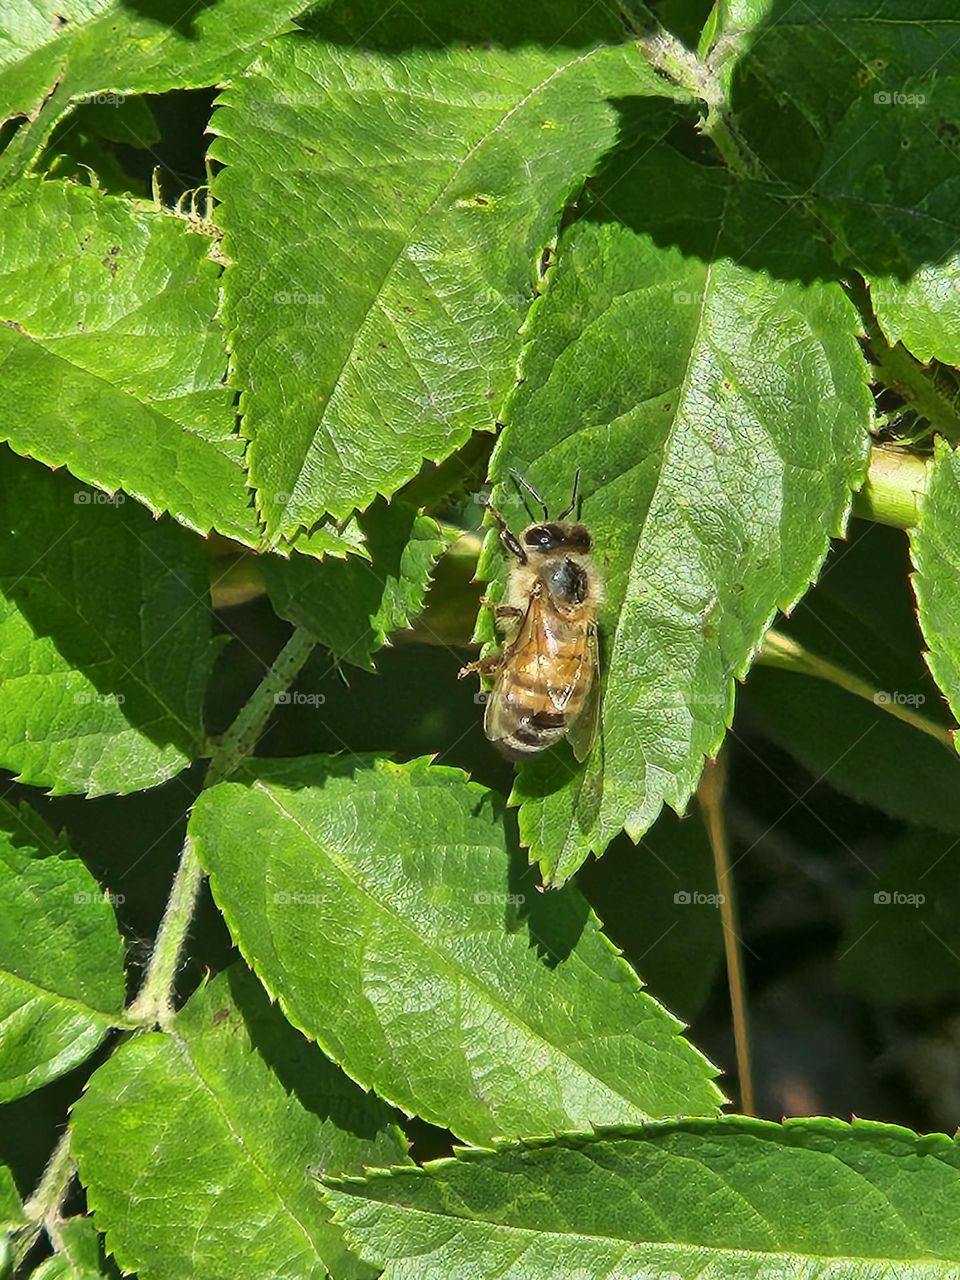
43	1207
154	1003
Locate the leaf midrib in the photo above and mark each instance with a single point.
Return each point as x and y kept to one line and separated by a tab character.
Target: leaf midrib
240	1141
150	405
444	961
637	1248
113	1018
168	713
405	241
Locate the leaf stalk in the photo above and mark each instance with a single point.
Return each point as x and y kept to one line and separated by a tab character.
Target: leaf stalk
154	1004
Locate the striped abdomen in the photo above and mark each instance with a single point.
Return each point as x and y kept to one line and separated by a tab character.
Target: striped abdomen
541	688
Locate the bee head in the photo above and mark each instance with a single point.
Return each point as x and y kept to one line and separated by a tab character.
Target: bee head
557	537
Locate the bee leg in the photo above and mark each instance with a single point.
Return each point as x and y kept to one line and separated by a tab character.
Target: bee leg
509	540
488	666
501	611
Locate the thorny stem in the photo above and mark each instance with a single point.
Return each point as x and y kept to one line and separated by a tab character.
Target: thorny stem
154	1003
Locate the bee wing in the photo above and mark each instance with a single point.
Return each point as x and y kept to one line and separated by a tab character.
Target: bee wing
583	731
497	724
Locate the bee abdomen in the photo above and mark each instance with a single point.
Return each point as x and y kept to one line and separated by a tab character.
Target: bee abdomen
534	731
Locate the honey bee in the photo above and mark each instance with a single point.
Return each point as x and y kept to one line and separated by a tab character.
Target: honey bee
546	673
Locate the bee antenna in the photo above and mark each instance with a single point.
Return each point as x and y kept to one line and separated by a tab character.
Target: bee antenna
574	497
531	490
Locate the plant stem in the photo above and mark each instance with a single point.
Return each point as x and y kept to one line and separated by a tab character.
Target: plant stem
43	1207
781	651
710	796
891	493
50	1191
895	367
154	1003
240	739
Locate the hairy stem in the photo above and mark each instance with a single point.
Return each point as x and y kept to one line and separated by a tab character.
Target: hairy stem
43	1207
154	1003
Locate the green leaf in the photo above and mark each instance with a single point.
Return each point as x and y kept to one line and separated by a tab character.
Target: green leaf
55	55
61	1268
427	183
78	1253
389	911
730	1199
719	420
854	110
11	1208
115	366
858	749
79	148
352	606
923	312
105	645
935	547
61	957
194	1146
